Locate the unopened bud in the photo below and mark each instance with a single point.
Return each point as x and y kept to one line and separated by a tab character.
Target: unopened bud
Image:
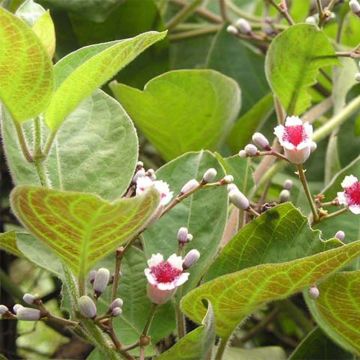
284	195
101	281
16	308
28	314
189	186
313	146
239	199
242	154
355	7
182	235
189	237
231	29
92	275
191	258
140	173
117	303
288	184
357	77
340	235
87	307
209	175
228	179
29	298
116	311
311	20
3	309
314	292
139	164
251	150
243	26
261	141
151	174
231	187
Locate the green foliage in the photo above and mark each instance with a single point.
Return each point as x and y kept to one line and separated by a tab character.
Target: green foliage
182	110
8	243
261	353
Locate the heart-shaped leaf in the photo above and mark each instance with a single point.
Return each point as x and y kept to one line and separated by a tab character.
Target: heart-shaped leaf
236	295
8	243
261	353
81	228
337	310
196	345
94	72
26	72
292	64
182	110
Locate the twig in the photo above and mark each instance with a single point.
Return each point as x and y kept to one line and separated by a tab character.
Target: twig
283	10
23	143
183	14
194	33
223	10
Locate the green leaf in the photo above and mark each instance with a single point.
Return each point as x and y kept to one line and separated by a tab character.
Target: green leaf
106	151
196	345
283	231
248	123
337	310
247	69
292	64
81	228
161	237
236	295
93	73
182	110
27	75
261	353
8	243
318	346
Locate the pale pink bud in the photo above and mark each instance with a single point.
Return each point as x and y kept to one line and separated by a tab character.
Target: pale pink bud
151	174
251	150
261	141
314	292
288	184
191	258
117	303
243	26
355	7
340	235
116	311
242	154
101	281
87	307
189	186
3	309
228	179
16	307
350	197
140	173
357	77
189	237
28	314
231	187
182	235
284	195
29	298
239	199
92	275
139	164
209	175
313	146
231	29
311	20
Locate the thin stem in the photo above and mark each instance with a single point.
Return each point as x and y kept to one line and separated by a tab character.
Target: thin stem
23	143
221	348
237	11
48	144
194	33
253	211
283	11
62	321
150	319
223	10
305	185
180	320
39	166
118	257
333	214
183	14
81	284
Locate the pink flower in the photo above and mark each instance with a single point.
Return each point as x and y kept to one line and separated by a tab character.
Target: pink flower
164	277
144	182
350	197
295	138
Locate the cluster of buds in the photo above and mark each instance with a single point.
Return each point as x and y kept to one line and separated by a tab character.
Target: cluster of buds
285	192
355	7
165	276
183	236
100	279
242	26
87	307
251	150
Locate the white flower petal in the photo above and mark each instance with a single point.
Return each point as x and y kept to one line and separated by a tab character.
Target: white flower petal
293	121
308	129
298	156
341	198
151	279
288	145
304	144
355	209
155	259
166	286
181	279
279	131
143	183
175	261
165	194
349	181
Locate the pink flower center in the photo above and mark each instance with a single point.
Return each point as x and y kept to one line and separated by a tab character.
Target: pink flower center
353	194
294	134
165	272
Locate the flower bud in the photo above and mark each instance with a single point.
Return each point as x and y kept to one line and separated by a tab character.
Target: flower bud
3	309
189	186
151	174
340	235
357	77
29	298
117	303
101	281
239	199
231	29
116	311
87	307
228	179
191	258
243	26
251	150
16	308
231	187
182	235
189	237
261	141
28	314
313	146
242	154
92	275
288	184
140	173
311	20
139	164
209	175
284	195
355	7
314	292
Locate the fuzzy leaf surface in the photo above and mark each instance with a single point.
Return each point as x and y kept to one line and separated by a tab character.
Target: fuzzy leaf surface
8	243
